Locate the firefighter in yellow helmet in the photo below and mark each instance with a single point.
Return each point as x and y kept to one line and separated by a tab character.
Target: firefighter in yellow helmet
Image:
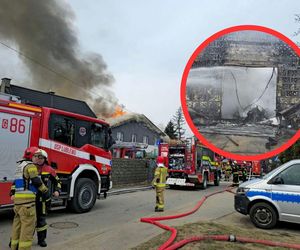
159	182
23	192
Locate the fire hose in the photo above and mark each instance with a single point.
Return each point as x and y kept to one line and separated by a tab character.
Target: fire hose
232	238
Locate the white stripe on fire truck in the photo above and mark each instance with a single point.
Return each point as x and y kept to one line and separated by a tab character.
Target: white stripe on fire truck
71	151
103	160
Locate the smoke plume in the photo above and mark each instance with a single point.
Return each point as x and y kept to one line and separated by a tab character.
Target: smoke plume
43	31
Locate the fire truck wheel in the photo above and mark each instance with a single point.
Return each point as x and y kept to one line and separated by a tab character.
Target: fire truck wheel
217	179
84	195
204	184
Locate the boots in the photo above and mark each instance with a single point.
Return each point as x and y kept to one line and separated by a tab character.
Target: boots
158	209
41	238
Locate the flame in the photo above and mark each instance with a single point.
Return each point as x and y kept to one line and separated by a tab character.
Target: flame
118	112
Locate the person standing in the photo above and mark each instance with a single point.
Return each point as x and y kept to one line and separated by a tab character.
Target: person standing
23	193
227	171
51	180
159	183
235	174
244	171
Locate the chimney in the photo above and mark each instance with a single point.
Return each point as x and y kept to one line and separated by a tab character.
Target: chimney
5	83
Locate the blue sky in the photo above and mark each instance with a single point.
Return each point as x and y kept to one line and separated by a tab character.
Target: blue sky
146	44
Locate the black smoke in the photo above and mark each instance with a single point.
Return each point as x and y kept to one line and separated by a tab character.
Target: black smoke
43	31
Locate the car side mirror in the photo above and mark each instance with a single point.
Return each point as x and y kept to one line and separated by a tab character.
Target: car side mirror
277	180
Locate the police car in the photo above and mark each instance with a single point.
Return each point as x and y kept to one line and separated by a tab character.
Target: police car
275	197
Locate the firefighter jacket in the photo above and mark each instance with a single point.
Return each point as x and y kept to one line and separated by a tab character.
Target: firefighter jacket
160	176
27	183
50	179
235	169
228	168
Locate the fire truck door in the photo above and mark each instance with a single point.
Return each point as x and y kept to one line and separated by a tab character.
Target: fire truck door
14	139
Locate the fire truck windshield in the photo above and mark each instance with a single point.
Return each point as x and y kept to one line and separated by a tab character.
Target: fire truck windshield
98	135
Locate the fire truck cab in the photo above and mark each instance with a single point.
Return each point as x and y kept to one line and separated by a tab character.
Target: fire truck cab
190	164
129	150
77	147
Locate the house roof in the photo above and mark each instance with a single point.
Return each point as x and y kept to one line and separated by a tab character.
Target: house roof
134	117
44	99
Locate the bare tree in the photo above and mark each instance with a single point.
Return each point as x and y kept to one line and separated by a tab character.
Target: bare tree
179	121
297	32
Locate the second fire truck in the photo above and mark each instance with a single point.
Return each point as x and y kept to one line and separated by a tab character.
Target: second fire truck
190	164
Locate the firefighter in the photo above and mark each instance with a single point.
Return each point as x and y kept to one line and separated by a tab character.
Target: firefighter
244	172
235	174
51	180
23	193
227	171
159	183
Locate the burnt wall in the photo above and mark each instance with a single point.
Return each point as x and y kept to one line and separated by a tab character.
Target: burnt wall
257	49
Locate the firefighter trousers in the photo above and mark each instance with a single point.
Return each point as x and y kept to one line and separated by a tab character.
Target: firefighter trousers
235	178
227	175
160	201
41	224
23	227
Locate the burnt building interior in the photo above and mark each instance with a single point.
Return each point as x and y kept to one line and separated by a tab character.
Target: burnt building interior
244	88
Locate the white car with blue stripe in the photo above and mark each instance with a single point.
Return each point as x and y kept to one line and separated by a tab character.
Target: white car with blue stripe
275	197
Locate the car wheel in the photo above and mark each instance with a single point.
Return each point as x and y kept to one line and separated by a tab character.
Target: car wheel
84	195
263	215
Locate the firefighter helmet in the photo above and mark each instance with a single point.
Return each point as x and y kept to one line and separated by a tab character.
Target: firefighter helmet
160	160
42	153
29	152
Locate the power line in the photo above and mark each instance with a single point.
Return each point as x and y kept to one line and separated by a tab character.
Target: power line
51	70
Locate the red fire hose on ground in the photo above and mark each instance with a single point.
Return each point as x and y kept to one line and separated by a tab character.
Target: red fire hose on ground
167	245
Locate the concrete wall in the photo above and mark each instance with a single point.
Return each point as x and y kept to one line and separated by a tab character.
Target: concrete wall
131	171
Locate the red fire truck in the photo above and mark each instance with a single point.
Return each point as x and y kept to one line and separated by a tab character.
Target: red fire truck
77	148
190	164
256	169
129	150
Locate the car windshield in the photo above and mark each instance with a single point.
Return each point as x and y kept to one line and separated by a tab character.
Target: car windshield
270	173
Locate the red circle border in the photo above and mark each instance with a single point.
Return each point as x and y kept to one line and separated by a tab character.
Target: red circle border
183	93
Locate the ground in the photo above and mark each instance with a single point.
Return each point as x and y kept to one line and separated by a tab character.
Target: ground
235	224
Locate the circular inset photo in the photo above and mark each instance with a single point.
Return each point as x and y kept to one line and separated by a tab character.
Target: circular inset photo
240	92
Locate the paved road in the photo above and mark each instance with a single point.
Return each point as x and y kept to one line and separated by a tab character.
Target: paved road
114	223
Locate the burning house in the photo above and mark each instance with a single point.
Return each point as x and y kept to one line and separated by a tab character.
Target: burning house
135	135
242	85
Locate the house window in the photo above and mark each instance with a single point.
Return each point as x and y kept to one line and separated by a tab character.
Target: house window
133	138
145	139
120	136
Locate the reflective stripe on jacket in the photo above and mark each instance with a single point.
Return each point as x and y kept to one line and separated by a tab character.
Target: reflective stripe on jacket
26	183
23	187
